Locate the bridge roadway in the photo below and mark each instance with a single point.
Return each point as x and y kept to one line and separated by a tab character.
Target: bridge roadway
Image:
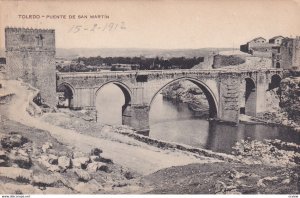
227	90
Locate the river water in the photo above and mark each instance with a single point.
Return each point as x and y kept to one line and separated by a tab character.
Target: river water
176	123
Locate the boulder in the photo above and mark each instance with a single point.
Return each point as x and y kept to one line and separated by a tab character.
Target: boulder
46	146
81	162
104	168
68	182
3	155
21	158
105	160
44	160
52	159
286	181
12	141
220	187
44	180
82	175
95	166
3	162
264	181
53	168
95	158
78	154
260	183
64	162
96	151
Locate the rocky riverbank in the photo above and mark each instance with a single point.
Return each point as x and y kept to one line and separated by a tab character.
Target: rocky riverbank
283	103
187	93
287	113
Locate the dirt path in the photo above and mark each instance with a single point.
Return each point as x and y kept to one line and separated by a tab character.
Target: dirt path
141	160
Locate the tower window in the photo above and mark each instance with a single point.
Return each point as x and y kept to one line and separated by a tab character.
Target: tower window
40	40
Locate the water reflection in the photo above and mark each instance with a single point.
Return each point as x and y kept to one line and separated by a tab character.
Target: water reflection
177	124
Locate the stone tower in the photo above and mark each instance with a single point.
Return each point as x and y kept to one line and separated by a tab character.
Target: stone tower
287	56
30	55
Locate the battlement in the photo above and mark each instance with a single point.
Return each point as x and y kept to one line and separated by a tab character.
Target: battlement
28	30
29	39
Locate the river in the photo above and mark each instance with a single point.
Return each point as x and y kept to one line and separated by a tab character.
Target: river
176	123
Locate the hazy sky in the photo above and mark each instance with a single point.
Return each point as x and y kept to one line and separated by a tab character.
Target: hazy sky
157	24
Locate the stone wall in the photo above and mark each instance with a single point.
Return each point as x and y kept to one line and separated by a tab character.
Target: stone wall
266	54
290	54
222	61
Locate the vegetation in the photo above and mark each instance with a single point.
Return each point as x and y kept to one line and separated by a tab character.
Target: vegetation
231	60
83	64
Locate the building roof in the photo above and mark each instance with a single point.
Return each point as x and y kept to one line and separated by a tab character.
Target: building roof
276	37
255	39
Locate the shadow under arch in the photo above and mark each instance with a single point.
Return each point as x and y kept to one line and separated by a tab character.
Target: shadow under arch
67	99
250	97
125	90
275	81
211	98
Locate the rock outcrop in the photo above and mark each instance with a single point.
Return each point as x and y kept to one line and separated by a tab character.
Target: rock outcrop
188	93
290	97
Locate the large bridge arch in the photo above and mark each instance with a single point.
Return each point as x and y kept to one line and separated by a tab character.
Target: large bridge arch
210	96
127	93
124	88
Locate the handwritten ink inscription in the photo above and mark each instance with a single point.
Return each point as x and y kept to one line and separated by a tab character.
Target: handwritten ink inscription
109	27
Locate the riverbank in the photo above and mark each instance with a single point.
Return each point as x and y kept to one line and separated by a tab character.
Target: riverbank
133	166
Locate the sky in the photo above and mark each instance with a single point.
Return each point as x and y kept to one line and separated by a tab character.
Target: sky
160	24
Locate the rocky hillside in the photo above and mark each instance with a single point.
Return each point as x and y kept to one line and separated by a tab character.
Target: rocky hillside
33	162
290	97
187	92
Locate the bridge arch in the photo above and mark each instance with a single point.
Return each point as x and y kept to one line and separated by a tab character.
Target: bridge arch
127	93
124	88
250	97
67	99
275	81
210	96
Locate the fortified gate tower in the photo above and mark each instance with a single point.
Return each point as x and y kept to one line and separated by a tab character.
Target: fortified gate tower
30	55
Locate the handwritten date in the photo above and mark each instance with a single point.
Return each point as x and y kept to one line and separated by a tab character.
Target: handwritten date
108	27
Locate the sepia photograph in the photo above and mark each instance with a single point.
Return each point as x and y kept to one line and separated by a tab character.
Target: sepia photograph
150	97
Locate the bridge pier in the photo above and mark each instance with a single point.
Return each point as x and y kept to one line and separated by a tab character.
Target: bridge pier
137	116
229	98
261	93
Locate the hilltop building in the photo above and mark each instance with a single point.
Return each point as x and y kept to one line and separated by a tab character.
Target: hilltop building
261	47
276	40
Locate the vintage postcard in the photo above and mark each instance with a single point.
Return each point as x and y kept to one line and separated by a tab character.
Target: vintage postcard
150	97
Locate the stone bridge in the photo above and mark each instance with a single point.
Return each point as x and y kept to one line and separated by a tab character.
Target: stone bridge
227	90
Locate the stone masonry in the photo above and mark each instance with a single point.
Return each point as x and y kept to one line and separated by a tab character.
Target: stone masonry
30	55
223	89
